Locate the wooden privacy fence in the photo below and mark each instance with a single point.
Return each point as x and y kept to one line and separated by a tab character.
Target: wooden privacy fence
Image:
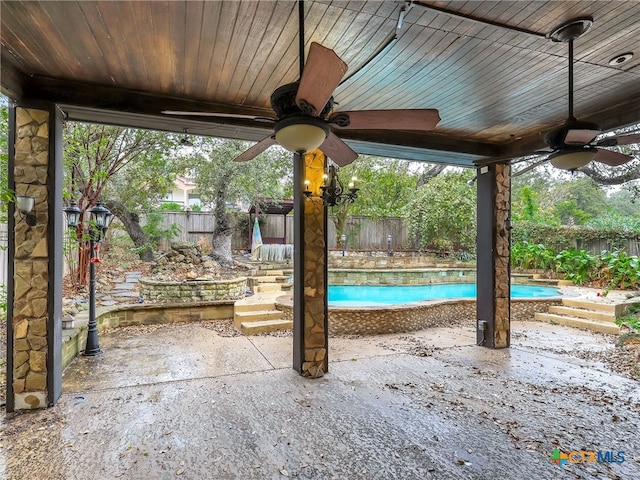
363	233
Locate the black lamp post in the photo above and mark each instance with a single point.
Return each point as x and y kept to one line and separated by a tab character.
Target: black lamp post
100	219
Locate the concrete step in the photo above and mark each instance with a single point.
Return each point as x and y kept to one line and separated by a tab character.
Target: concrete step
255	328
266	278
593	325
255	316
582	313
600	307
618	309
267	287
258	315
247	306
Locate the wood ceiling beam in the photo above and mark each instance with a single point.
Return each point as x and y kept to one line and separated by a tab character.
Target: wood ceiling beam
12	78
122	99
135	105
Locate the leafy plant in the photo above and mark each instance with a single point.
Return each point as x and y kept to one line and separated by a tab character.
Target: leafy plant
443	216
532	256
618	270
577	265
630	321
170	207
154	231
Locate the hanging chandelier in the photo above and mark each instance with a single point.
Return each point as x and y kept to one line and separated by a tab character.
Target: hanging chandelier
333	191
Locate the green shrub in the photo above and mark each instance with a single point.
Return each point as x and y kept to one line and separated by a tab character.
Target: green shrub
618	270
170	207
532	256
578	266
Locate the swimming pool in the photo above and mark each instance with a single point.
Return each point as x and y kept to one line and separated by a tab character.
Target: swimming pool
371	295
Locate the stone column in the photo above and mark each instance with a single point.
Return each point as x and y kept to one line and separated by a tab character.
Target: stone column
493	245
35	292
310	270
502	256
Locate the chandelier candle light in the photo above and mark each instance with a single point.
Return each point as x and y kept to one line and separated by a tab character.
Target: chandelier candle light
333	191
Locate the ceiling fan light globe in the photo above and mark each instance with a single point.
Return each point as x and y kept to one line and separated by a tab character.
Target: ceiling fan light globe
572	159
301	137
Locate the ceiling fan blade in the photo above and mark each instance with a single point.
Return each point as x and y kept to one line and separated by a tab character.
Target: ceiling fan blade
256	150
418	119
320	77
619	140
338	151
580	136
611	158
221	115
530	167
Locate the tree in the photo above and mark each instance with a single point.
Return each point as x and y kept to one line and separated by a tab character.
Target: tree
443	216
221	181
6	195
127	169
386	186
580	200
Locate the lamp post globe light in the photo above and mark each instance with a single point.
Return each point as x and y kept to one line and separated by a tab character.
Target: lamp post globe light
98	225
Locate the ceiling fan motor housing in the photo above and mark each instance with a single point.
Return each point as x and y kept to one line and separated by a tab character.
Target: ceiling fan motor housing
283	102
556	139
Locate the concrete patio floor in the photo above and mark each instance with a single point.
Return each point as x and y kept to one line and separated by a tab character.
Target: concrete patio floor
182	401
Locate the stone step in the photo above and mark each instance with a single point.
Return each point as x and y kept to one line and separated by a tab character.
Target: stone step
248	306
616	310
267	287
582	313
282	278
593	325
257	316
286	287
265	279
255	328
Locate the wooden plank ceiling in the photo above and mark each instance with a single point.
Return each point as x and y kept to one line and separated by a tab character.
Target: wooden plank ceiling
497	81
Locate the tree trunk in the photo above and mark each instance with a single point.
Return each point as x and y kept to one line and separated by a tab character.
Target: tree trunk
131	222
223	229
339	221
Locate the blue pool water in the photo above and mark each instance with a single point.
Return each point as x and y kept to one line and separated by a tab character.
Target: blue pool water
372	295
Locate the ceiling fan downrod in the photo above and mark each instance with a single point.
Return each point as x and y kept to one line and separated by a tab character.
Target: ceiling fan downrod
568	32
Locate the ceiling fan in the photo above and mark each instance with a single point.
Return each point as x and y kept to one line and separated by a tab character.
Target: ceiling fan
304	117
573	144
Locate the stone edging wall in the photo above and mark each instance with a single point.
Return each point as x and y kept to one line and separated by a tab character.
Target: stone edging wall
141	314
401	276
405	318
187	291
367	260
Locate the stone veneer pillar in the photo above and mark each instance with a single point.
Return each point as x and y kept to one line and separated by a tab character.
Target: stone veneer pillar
310	313
493	245
34	347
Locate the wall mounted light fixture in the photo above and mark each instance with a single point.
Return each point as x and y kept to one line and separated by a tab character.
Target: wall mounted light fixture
24	205
333	191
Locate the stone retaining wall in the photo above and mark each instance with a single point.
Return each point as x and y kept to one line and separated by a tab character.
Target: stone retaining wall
369	261
141	314
399	276
187	291
416	316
